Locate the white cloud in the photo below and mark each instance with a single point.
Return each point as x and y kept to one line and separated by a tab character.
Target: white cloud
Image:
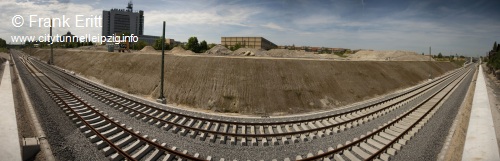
230	16
314	20
274	26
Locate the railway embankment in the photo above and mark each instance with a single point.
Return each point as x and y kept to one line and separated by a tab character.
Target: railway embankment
254	86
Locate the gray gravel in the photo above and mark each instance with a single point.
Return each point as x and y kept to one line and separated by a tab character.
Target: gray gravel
429	141
66	141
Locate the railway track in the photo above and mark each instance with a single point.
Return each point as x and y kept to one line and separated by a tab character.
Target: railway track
377	144
385	141
247	133
117	141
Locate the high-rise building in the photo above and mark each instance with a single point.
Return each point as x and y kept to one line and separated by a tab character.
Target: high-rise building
118	21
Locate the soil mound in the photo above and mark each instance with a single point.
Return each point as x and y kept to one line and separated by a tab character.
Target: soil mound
148	49
249	52
249	86
181	51
396	55
285	53
218	50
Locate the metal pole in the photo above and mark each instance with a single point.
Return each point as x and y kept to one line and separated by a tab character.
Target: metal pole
51	61
162	99
430	61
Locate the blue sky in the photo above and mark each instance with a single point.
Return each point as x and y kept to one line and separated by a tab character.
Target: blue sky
467	27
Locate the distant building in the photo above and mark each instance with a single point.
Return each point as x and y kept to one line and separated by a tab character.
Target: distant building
123	20
68	37
150	40
248	42
171	42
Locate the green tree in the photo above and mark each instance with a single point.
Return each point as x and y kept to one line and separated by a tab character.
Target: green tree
27	43
157	44
440	55
193	45
139	45
3	43
495	45
211	45
68	45
235	47
203	46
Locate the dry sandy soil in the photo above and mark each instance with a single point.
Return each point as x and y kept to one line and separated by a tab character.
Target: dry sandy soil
4	56
397	55
279	53
248	86
219	50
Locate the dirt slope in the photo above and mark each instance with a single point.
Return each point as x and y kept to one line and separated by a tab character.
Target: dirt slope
397	55
249	86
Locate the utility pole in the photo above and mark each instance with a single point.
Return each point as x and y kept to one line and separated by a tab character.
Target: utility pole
430	61
51	61
162	99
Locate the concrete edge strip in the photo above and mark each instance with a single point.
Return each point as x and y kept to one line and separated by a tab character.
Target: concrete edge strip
445	149
44	144
9	129
481	134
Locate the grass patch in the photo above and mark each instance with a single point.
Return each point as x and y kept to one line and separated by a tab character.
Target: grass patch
459	62
341	54
4	50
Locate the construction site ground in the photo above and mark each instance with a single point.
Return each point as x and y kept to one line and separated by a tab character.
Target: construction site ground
246	85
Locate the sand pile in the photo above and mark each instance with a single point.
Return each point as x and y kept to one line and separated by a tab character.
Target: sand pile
148	49
249	52
218	50
181	51
397	55
285	53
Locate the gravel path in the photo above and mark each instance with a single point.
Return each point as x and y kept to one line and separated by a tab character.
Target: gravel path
428	142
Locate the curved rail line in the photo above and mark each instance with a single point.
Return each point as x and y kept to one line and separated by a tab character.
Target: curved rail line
386	140
378	144
279	132
116	140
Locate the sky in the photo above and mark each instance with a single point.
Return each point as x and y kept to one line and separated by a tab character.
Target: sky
464	27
